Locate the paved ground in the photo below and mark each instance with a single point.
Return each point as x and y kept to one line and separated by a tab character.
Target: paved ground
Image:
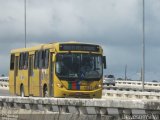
4	93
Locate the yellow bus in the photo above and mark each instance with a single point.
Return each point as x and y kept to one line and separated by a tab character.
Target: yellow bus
62	69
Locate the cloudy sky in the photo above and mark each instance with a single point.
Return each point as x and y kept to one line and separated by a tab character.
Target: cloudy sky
114	24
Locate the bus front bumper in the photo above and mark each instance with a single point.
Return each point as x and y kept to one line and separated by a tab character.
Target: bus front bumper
79	94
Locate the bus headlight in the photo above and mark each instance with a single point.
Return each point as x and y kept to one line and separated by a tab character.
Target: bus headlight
60	85
99	85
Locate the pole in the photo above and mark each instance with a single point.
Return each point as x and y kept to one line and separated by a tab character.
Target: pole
25	37
143	45
126	72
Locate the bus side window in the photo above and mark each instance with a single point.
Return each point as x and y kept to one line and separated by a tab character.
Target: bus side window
25	60
40	58
46	59
36	60
21	61
31	65
12	62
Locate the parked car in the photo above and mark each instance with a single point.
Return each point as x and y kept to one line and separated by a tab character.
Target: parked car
154	81
109	80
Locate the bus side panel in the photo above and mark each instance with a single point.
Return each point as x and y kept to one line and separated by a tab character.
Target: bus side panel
11	82
25	81
13	73
46	77
36	82
22	79
44	74
19	81
30	72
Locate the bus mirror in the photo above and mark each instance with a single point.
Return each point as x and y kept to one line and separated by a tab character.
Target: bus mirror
54	58
104	62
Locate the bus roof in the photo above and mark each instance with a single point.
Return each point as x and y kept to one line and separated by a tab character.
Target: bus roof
45	46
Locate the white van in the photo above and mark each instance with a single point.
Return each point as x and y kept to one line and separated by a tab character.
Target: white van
109	80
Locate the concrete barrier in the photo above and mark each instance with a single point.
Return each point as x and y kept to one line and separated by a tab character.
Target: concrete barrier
74	109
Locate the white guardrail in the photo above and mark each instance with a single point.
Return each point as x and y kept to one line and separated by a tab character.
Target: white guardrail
137	83
111	94
4	82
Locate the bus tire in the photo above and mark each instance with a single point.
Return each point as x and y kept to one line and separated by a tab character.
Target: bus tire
45	91
22	91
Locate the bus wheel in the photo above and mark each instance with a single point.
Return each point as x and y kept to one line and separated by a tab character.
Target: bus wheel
45	91
22	91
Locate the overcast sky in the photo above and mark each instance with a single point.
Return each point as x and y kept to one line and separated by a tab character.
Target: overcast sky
114	24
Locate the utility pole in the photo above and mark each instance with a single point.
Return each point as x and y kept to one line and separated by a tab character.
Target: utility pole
25	29
143	45
141	75
126	72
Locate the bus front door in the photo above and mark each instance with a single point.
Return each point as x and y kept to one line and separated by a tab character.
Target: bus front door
51	73
51	76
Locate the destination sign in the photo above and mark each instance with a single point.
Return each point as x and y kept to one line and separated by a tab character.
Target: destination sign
79	47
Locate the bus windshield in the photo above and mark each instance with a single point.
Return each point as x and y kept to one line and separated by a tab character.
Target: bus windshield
79	66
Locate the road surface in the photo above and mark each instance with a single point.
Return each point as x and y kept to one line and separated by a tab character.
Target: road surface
4	92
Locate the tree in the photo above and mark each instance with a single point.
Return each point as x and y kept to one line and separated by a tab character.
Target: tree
119	79
2	75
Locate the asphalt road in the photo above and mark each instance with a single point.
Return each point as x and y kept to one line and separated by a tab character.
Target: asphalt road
4	92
